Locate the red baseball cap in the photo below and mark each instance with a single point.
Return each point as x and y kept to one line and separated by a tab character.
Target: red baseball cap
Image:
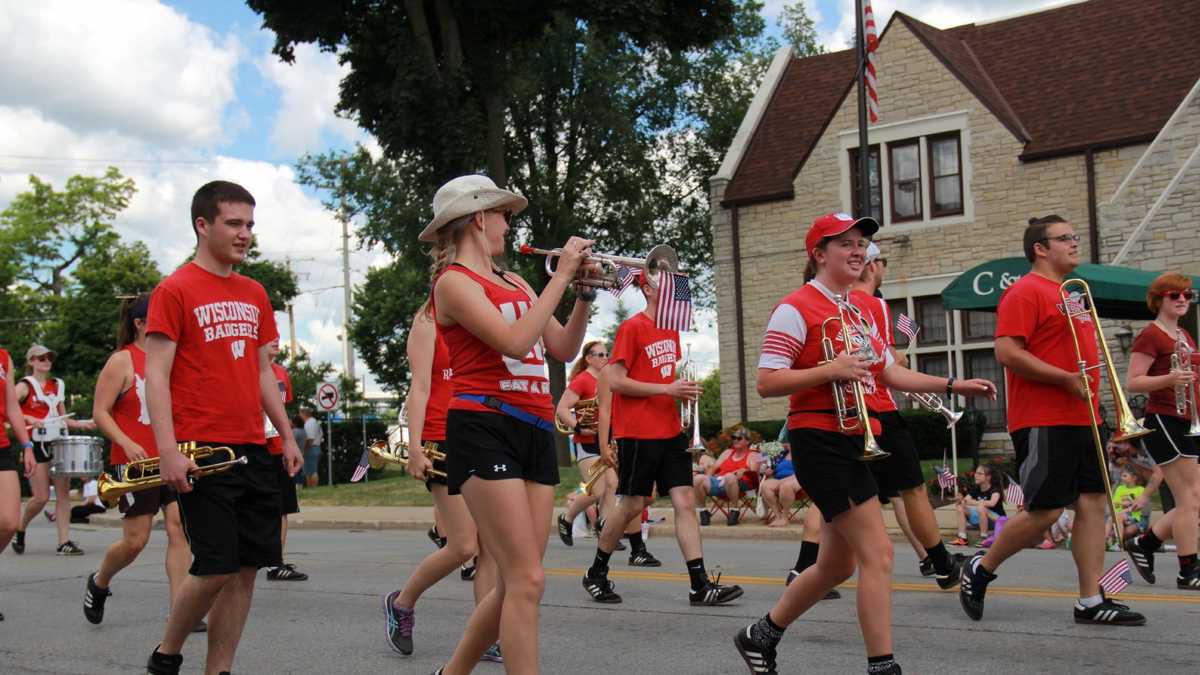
833	224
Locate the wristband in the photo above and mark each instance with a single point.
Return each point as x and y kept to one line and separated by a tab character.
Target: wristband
949	387
577	432
587	294
27	445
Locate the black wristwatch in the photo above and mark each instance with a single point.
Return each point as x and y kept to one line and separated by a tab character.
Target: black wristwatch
949	387
577	429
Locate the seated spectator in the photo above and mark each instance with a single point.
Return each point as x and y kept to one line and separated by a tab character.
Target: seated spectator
981	507
1059	532
733	474
80	513
778	488
1133	517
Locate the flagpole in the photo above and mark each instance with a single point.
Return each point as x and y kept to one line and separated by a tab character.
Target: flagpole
952	397
864	150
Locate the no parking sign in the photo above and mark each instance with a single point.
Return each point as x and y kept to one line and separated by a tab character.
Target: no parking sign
327	396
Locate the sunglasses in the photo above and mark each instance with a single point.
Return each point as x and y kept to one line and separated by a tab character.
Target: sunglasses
43	357
1188	295
507	214
599	355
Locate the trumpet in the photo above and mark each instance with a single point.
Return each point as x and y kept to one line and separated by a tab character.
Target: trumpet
1185	394
852	416
595	472
143	474
587	412
661	257
934	402
379	454
689	411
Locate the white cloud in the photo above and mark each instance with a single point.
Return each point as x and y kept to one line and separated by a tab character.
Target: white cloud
132	67
309	93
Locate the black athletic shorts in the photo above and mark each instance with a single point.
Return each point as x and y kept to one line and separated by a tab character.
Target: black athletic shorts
288	504
902	469
642	464
1056	465
232	518
495	446
145	502
42	452
437	464
9	457
1169	441
828	468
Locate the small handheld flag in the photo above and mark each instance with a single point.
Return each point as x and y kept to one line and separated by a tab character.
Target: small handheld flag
1013	493
625	277
946	479
906	325
1116	578
674	302
363	466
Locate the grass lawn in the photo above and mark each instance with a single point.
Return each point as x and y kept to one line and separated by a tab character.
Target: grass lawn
397	488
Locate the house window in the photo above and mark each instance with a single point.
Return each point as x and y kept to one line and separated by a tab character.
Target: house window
895	309
931	318
982	363
978	326
933	364
905	166
945	175
876	184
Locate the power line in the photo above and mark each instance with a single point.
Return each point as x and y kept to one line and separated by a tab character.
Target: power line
110	160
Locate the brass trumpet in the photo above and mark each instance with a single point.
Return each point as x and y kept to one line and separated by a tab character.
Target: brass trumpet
143	474
934	402
587	412
661	257
380	454
595	472
851	416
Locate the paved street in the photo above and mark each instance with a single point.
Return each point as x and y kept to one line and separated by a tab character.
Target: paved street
332	623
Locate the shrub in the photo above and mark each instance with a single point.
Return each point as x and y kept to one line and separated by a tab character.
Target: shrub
347	448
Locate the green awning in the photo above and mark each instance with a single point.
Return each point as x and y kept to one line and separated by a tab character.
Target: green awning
1120	292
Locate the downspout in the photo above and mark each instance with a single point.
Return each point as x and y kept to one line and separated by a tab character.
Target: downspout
1093	220
735	232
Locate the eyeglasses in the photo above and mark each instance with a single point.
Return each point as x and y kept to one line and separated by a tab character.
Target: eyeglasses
1064	238
881	261
599	355
1189	295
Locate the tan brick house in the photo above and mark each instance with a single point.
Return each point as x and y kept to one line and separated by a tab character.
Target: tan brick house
1089	110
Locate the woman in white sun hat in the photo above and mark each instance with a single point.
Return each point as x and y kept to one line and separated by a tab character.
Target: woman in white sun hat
499	430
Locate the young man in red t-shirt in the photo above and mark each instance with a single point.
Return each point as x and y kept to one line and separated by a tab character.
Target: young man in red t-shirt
209	381
288	504
651	451
1050	424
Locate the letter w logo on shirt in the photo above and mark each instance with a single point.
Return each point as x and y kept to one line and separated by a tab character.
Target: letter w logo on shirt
238	347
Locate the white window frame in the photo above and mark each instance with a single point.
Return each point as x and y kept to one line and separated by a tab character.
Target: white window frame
920	128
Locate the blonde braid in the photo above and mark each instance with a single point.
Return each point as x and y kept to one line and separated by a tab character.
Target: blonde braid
441	255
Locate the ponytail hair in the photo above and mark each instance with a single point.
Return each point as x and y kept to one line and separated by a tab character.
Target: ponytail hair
581	364
444	252
132	308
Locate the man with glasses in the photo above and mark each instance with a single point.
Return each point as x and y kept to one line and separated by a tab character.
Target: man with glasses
1050	425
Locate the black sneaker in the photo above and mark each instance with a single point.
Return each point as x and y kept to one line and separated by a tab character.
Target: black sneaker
643	558
163	664
467	573
564	531
973	587
93	600
620	546
759	658
733	517
1142	558
926	567
68	547
705	517
399	625
1190	580
951	578
1108	613
601	589
18	543
713	593
437	539
286	572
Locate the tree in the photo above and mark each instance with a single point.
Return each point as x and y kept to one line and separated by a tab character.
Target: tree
305	376
279	281
710	404
799	30
620	314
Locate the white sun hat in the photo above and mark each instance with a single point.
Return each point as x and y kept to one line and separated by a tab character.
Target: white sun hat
466	195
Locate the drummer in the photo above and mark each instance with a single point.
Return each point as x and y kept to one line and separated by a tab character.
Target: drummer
41	397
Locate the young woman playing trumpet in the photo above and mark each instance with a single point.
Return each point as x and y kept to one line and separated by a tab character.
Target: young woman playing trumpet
581	387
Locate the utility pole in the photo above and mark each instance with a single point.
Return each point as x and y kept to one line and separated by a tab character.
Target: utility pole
347	350
291	313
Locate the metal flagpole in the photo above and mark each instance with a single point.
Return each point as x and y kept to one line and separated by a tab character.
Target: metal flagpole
952	402
329	448
864	150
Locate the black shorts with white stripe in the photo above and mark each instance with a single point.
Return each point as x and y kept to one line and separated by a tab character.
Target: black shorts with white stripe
1057	464
1169	441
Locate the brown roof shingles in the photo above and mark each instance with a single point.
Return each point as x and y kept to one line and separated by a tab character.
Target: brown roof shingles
1094	74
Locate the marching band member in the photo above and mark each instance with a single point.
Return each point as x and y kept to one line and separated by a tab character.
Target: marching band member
288	502
500	420
426	405
41	397
11	460
1170	415
827	460
582	386
1050	426
120	411
608	454
209	380
651	451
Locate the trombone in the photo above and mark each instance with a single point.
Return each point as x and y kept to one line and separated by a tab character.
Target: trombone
852	416
1185	394
661	257
143	474
1128	428
689	410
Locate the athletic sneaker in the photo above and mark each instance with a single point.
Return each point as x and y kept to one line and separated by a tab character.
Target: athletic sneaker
705	517
1143	559
163	664
643	558
1190	580
733	517
959	541
926	567
1108	613
493	655
601	589
713	593
399	625
973	587
437	539
759	658
564	531
833	594
286	572
93	600
69	548
620	546
951	578
18	543
468	570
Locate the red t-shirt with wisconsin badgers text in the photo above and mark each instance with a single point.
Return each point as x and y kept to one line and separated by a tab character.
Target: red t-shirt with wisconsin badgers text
218	324
650	354
1033	310
274	437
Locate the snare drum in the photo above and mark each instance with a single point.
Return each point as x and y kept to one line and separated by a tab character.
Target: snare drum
77	457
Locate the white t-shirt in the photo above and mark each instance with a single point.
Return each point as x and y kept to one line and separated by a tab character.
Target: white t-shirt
312	431
89	489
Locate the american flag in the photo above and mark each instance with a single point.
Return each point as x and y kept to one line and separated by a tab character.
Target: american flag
674	302
625	277
946	479
906	325
1013	493
1116	578
363	466
872	43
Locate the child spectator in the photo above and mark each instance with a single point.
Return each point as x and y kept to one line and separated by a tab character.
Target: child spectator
1132	518
981	507
80	513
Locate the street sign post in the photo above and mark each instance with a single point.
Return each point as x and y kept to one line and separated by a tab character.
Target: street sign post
327	399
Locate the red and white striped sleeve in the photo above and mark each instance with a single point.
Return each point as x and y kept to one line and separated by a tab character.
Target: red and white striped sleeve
784	339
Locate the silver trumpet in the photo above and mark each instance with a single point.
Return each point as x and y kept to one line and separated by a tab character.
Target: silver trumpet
689	411
1185	394
934	402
